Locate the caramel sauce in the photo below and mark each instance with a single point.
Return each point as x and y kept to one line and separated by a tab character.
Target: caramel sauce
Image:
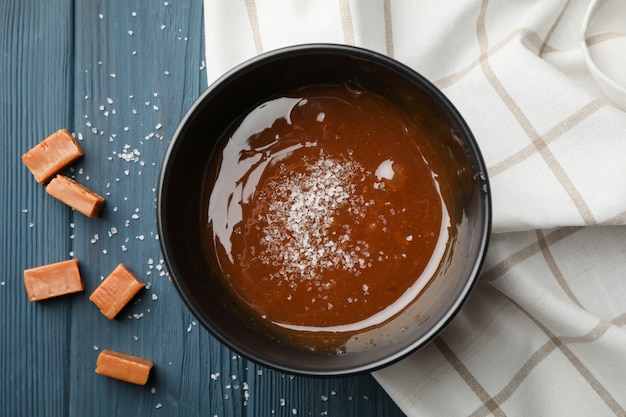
324	211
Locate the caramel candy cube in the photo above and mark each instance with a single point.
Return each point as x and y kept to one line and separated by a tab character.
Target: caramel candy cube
124	367
75	195
52	155
52	280
116	291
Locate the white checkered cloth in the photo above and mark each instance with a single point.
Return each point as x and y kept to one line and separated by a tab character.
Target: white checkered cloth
541	85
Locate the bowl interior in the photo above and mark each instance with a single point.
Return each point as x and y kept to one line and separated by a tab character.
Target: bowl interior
181	190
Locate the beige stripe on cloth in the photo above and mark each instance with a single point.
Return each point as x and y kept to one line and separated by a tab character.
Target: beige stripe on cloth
544	333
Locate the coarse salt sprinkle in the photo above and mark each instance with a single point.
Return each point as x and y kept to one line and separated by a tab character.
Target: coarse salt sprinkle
297	233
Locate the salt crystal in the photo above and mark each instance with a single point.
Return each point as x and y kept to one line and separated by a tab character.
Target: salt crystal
385	170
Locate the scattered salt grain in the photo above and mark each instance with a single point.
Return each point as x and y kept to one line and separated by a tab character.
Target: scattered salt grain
158	405
155	297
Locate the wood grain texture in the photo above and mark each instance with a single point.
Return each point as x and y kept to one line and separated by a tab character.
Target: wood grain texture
119	75
35	101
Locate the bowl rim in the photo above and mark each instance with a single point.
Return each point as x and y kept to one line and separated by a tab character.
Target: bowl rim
473	149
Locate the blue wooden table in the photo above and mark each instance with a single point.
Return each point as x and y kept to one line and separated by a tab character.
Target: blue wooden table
119	74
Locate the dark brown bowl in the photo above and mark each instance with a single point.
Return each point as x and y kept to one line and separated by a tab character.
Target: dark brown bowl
181	188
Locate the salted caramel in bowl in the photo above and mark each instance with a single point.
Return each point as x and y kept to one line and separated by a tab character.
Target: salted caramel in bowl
323	210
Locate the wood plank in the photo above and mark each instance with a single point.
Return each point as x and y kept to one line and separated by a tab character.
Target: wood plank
36	44
137	71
